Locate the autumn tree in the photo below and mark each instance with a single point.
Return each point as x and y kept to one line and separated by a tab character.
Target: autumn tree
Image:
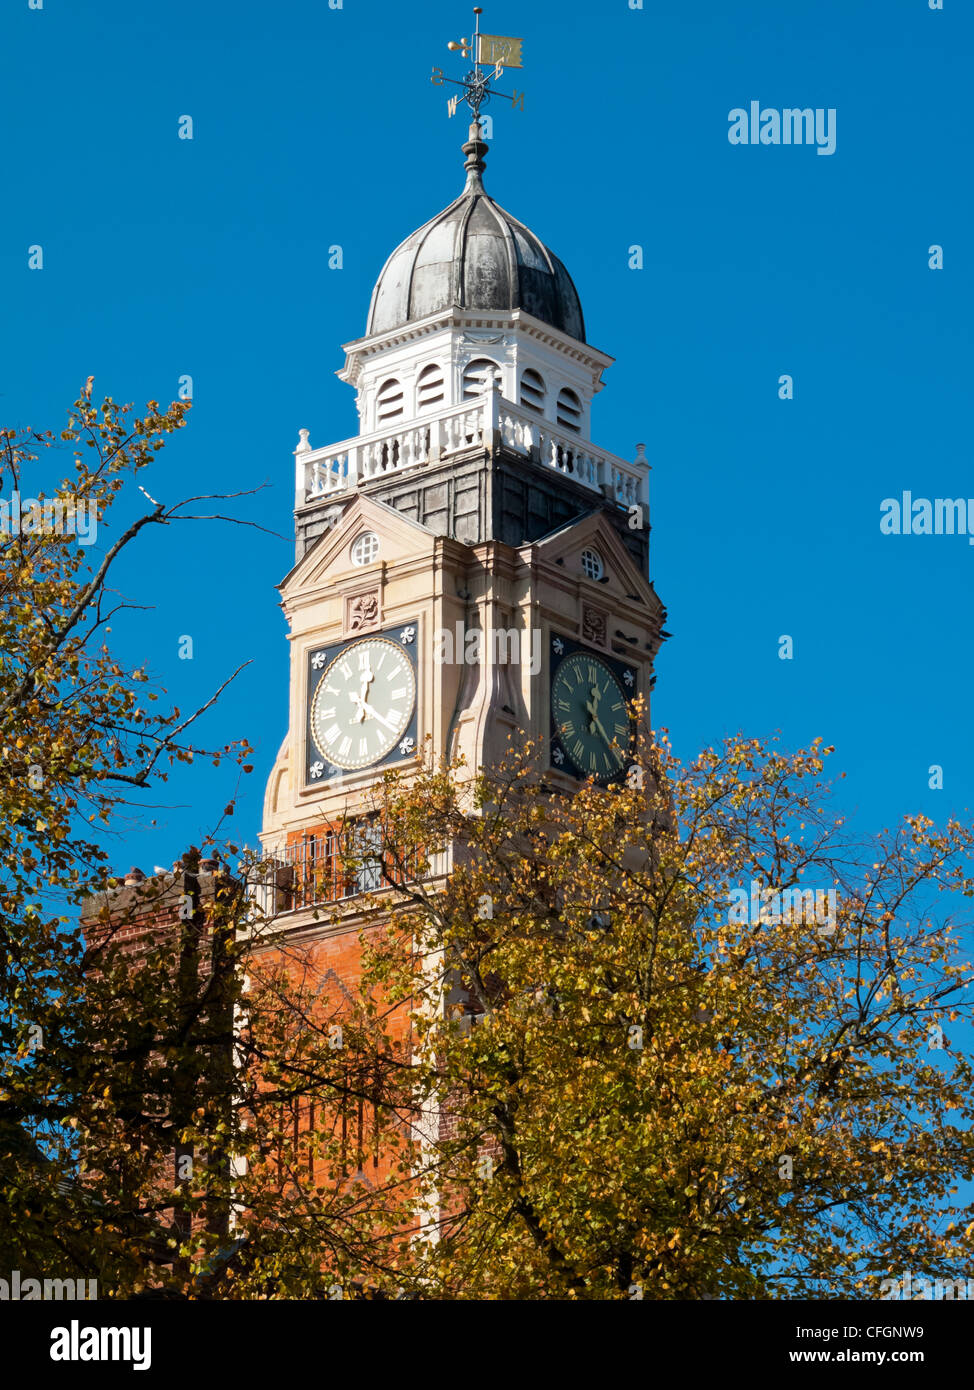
219	1154
656	1059
76	729
154	1055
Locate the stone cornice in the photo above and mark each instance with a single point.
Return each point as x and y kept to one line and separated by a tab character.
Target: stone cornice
360	350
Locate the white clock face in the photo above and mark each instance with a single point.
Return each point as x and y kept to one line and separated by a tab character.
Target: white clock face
363	703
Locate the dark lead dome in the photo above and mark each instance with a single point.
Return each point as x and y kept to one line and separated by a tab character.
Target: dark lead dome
476	256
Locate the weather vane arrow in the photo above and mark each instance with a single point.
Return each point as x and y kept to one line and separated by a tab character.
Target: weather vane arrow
493	52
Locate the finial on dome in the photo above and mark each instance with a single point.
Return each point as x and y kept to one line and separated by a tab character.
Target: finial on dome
475	149
495	52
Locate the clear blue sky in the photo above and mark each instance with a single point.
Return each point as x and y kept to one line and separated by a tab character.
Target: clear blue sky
315	126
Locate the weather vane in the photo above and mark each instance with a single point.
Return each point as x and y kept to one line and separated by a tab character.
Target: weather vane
495	52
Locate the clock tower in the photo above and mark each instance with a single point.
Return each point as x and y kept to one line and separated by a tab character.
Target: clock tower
470	567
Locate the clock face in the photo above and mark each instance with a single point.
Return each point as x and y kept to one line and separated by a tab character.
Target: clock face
363	703
591	715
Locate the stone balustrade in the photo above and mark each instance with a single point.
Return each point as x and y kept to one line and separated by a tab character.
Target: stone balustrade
492	419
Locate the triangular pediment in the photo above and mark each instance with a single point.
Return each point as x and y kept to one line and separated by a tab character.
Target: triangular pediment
565	547
329	559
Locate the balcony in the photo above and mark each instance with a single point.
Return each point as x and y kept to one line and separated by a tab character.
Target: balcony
491	421
332	866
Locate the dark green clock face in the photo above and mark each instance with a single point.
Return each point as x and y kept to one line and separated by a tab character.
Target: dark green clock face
591	715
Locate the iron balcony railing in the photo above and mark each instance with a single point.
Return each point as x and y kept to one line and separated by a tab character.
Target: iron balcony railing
331	867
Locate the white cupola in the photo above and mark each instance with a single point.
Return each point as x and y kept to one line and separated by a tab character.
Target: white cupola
472	296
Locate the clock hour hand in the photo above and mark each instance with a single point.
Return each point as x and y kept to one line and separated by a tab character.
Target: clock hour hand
368	676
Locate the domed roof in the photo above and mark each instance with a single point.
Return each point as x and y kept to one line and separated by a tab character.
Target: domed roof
476	256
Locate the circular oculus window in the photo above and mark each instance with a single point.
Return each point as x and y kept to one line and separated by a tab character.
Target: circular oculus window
365	548
592	564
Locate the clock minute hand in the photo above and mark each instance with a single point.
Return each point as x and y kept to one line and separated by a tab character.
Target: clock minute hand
357	700
596	723
374	714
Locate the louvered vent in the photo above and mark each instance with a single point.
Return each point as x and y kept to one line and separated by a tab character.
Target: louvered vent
389	404
429	387
569	410
475	375
533	391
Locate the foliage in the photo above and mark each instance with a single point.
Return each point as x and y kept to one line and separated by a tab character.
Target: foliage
151	1058
640	1096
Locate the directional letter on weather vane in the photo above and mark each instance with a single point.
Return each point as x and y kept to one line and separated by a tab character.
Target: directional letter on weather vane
492	50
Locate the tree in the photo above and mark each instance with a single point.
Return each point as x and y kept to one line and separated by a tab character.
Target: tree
652	1060
216	1158
75	728
148	1055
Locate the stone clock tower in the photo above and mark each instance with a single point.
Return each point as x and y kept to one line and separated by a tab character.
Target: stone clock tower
469	566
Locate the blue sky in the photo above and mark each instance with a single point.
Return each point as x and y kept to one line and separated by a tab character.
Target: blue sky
315	127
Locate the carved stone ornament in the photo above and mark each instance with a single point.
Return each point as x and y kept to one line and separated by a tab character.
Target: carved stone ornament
362	611
593	626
